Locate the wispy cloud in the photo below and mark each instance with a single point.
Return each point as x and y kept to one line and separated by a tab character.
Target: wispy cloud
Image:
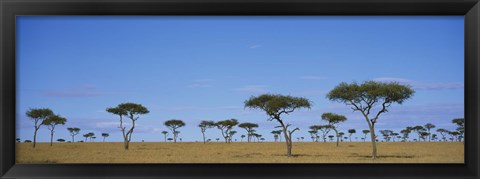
201	83
252	89
255	46
312	77
422	85
66	94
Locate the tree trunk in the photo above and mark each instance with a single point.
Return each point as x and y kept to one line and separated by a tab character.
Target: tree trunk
35	137
203	133
374	145
73	138
336	133
51	138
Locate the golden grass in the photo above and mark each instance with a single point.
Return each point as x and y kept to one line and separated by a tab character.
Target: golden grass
240	152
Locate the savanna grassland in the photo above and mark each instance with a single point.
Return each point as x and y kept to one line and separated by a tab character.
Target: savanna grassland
240	152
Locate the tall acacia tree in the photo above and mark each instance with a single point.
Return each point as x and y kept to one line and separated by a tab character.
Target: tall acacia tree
105	135
51	122
38	116
165	134
333	120
204	125
365	132
429	126
275	106
325	129
173	125
443	132
351	131
73	132
249	127
131	111
370	95
226	126
460	122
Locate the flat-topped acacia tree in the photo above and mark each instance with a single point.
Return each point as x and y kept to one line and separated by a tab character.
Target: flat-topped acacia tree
275	105
51	122
204	125
249	127
369	96
173	125
73	132
131	111
226	126
38	116
333	120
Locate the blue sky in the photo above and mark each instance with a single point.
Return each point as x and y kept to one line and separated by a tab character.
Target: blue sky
204	68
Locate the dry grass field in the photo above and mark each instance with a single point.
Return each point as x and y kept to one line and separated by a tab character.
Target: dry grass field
263	152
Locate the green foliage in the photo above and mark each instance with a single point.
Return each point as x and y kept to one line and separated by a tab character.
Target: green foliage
365	131
174	123
105	134
351	131
39	113
459	121
429	126
206	124
73	130
370	92
248	126
333	118
275	105
53	120
60	140
228	124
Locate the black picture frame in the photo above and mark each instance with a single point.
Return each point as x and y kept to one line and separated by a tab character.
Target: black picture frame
12	8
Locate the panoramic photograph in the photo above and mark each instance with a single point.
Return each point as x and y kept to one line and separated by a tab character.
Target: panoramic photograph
240	89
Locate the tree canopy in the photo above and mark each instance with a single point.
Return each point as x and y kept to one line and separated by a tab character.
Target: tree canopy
275	105
174	123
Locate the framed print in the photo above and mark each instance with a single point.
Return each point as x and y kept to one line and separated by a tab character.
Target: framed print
144	89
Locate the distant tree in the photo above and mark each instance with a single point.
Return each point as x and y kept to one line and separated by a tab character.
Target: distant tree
443	132
419	130
371	95
38	115
405	132
460	122
86	136
278	133
365	132
434	137
230	135
208	140
314	132
454	135
204	125
91	135
325	129
73	132
395	135
170	139
333	121
386	134
105	135
249	127
242	136
275	136
424	135
277	105
429	126
51	122
173	125
27	141
226	126
133	112
17	140
331	137
60	140
351	131
302	138
165	133
217	139
262	139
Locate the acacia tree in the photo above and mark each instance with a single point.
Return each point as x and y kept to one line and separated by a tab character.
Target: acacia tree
242	136
38	115
51	122
443	132
460	122
365	132
351	131
105	135
165	133
173	125
277	105
405	132
249	127
73	132
368	96
314	132
91	135
333	120
230	135
204	125
419	130
226	126
429	126
133	112
325	129
86	136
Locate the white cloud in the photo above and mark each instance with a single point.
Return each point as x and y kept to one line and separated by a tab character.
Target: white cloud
255	46
252	89
312	78
422	85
